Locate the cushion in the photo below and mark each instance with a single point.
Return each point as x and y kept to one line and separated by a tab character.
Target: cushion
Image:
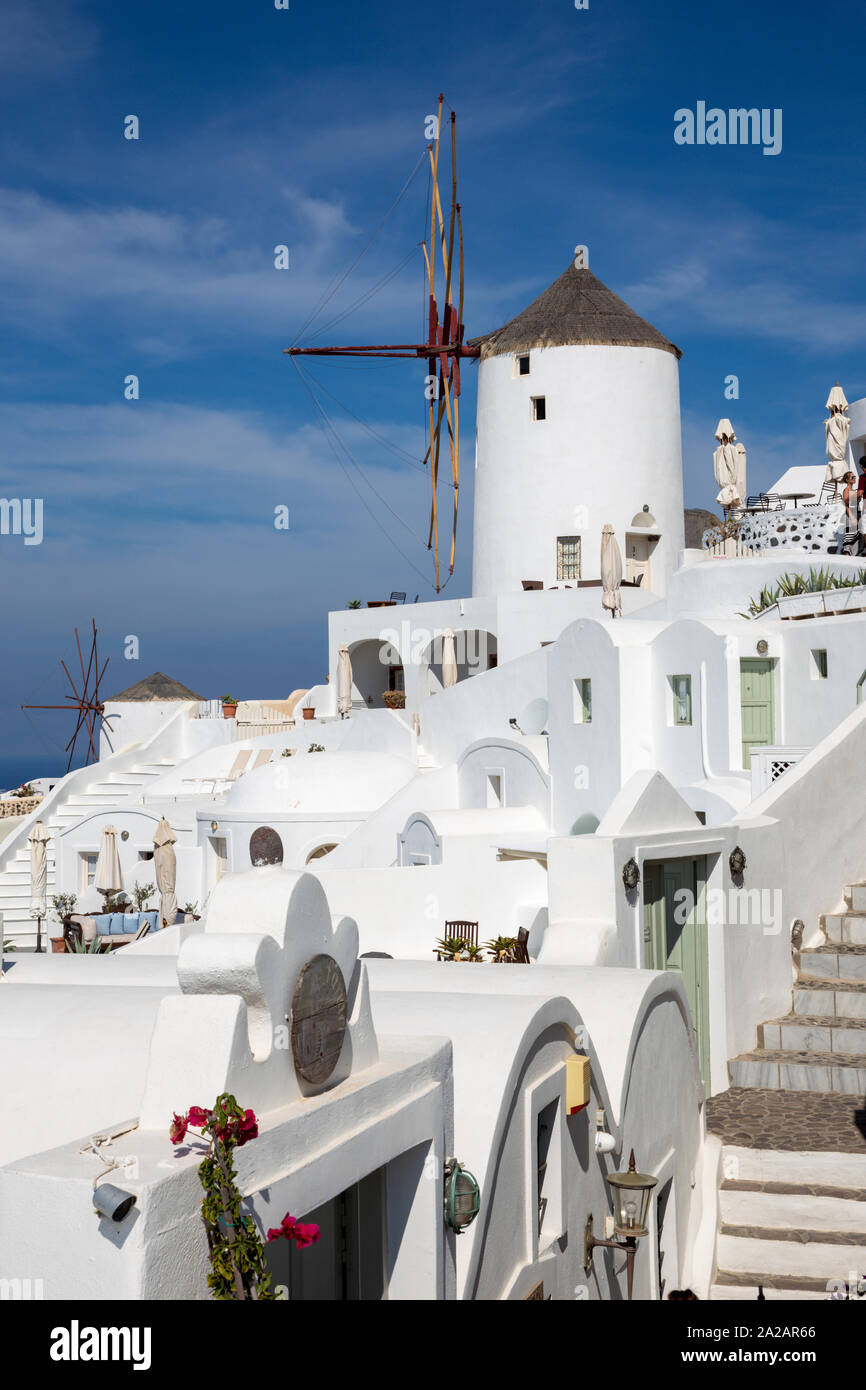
103	923
152	917
121	924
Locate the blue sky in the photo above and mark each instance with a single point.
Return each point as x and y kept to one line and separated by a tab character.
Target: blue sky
261	127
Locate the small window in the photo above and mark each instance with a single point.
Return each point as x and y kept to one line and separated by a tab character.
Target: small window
523	365
144	854
568	557
583	701
546	1167
266	847
861	685
539	407
320	851
494	790
396	678
819	664
87	870
682	693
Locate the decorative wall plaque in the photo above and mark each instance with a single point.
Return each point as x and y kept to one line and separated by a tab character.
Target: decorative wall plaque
318	1019
266	847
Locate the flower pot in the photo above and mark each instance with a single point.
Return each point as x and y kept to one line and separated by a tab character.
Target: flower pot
58	945
230	711
308	713
394	699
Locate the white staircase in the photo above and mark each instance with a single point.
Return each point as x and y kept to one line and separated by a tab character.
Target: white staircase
105	790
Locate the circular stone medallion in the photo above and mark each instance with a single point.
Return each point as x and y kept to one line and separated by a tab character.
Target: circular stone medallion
318	1019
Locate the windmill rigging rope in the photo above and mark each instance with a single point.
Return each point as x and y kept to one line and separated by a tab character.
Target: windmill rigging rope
367	295
328	427
329	294
394	448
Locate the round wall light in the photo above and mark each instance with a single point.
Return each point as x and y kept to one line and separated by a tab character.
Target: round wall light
462	1196
763	647
630	875
736	862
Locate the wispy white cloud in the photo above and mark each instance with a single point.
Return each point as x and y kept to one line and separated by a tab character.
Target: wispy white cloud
38	39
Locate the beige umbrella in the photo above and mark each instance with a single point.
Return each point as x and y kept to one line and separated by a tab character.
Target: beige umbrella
165	871
611	571
344	682
449	659
727	466
108	879
38	841
837	427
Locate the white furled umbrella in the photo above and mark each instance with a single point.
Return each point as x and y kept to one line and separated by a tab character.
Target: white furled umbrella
38	842
727	466
449	659
165	871
108	879
837	427
611	571
344	682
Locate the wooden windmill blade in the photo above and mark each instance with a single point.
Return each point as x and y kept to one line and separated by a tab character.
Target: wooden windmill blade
86	701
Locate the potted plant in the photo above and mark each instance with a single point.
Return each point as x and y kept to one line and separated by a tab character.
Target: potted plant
316	748
230	707
191	910
451	948
501	948
63	906
394	699
308	709
141	892
354	603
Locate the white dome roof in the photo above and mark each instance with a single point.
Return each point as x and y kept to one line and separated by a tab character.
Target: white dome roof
321	782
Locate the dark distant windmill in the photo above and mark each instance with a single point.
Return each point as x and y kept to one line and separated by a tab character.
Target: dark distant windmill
91	716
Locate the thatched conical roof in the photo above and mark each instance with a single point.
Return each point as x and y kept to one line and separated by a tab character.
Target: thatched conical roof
576	309
155	687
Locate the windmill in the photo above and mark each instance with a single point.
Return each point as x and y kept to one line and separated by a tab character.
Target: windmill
86	701
445	346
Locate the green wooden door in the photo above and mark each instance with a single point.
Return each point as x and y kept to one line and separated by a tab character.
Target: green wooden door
675	937
757	705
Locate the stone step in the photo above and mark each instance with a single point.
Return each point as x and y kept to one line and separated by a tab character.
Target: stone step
725	1293
823	997
846	928
794	1166
855	896
805	1033
834	962
800	1071
799	1215
776	1286
805	1260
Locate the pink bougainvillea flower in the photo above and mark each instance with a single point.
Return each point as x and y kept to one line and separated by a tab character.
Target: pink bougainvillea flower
286	1228
177	1129
247	1128
305	1235
198	1117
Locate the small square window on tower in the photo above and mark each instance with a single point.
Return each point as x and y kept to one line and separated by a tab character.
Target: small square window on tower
523	365
568	557
539	407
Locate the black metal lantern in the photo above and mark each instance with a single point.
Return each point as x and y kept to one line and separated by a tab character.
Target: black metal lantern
630	875
462	1196
736	862
631	1193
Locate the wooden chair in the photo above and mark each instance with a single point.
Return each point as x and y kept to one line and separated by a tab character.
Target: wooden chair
468	931
398	597
521	950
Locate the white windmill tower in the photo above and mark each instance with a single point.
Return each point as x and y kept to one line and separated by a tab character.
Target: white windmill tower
578	425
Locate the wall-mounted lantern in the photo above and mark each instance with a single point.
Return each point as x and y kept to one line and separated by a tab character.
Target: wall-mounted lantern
736	862
462	1196
631	1195
213	825
630	875
763	647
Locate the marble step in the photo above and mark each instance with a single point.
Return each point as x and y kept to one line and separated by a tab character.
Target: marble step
804	1260
845	928
728	1293
813	1033
794	1167
775	1069
801	1215
826	997
834	962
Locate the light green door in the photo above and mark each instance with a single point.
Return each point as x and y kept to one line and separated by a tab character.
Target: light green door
757	705
675	937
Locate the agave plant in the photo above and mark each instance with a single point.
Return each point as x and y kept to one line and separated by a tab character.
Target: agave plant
474	953
85	948
500	947
817	581
451	947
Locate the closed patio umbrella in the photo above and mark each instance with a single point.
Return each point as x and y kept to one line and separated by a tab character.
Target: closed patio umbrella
611	571
38	842
449	659
108	879
165	871
837	428
727	466
344	682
